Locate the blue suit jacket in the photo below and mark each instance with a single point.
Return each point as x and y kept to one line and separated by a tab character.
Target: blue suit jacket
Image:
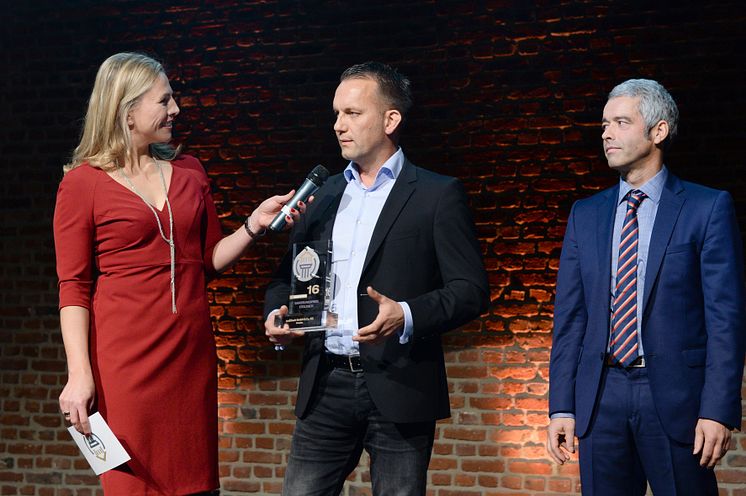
693	320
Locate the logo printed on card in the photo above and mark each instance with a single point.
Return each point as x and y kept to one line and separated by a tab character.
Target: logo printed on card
96	446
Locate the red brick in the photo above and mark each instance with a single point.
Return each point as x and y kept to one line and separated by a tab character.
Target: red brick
521	467
243	428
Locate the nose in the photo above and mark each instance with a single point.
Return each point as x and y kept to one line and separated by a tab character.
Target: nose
173	108
606	134
338	123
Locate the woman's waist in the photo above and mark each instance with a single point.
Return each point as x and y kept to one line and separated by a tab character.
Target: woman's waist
129	269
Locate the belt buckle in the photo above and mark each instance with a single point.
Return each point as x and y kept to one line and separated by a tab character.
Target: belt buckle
639	363
351	363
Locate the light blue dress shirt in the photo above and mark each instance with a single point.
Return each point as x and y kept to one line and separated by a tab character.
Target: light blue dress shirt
646	213
356	219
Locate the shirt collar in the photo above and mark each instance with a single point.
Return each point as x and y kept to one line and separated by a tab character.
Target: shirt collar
653	188
389	171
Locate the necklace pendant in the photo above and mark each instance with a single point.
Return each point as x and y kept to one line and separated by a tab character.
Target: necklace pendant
170	240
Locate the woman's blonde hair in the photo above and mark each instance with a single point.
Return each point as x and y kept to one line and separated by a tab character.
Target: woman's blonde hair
106	142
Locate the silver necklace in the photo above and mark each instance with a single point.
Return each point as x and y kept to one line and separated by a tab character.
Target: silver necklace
170	240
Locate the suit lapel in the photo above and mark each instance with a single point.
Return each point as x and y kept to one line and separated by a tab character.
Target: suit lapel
321	224
606	213
398	197
326	209
665	220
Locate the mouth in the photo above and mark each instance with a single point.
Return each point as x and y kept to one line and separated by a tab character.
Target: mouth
611	149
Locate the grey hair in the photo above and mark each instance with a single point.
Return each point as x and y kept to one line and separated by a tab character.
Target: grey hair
656	104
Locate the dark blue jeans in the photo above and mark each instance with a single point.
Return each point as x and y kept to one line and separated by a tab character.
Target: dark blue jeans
341	422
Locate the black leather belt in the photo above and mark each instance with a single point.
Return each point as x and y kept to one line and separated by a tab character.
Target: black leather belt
637	363
346	362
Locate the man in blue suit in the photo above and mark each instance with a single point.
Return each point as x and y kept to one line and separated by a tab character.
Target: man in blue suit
648	351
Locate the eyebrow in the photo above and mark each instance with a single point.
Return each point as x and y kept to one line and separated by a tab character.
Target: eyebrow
616	118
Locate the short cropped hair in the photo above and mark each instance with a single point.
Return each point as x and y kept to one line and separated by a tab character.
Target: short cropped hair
395	87
656	103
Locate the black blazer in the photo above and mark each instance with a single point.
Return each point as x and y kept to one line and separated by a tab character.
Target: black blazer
423	251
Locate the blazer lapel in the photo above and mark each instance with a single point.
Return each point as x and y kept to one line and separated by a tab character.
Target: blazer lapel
321	225
606	213
398	197
326	209
665	220
603	225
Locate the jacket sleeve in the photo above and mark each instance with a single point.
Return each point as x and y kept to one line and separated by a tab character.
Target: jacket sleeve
570	321
721	265
464	294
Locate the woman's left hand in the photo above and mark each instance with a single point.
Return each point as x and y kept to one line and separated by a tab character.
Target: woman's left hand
266	212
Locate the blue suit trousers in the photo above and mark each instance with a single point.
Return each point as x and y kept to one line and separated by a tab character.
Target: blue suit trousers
626	446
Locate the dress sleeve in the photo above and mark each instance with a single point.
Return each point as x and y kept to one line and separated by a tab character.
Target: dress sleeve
212	232
73	239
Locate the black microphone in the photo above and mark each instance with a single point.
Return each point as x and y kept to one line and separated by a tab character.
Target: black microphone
316	178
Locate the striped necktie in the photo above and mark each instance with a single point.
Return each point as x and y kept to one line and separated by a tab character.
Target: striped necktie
623	345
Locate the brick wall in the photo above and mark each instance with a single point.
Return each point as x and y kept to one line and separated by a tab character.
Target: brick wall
508	98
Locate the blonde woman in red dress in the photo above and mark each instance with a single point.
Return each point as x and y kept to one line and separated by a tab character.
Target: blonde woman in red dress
136	237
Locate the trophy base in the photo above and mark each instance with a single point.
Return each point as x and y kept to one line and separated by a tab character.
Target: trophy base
306	323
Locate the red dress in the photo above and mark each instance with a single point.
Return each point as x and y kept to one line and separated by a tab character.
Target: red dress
155	371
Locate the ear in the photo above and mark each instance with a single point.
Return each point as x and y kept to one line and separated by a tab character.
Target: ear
392	119
659	132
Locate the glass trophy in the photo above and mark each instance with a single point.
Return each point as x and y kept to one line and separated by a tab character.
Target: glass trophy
311	288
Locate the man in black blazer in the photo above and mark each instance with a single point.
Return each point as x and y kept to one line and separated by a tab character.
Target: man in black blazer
408	267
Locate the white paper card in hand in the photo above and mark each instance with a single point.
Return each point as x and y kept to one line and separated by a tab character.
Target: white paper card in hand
102	449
